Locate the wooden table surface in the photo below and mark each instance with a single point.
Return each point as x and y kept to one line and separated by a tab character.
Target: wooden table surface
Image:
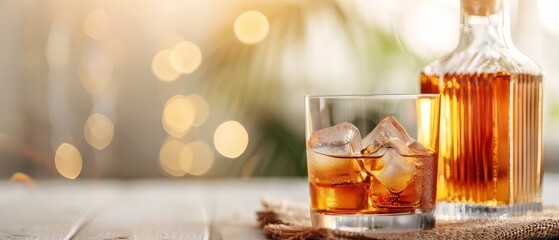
152	209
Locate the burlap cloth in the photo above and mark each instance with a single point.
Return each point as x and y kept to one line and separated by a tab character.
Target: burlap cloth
284	220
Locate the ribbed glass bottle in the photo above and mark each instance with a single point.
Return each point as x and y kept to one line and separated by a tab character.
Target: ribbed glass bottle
490	160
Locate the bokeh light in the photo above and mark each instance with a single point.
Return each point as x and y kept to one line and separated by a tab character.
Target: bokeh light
98	131
185	57
375	12
178	115
203	158
549	18
202	109
175	158
22	178
234	62
251	27
431	30
186	158
68	161
57	47
93	83
117	51
169	41
231	139
97	24
162	68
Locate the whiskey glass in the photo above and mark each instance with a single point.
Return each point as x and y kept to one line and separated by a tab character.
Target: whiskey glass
372	161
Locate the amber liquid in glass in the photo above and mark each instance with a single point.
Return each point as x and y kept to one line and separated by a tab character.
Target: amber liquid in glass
490	137
348	185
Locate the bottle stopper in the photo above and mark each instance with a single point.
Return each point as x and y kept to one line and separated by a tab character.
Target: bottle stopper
482	7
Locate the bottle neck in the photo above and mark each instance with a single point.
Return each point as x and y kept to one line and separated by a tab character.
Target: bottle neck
484	22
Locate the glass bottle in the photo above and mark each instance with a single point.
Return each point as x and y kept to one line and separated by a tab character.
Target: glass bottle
490	160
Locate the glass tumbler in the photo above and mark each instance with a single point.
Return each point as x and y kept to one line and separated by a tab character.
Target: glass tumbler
372	161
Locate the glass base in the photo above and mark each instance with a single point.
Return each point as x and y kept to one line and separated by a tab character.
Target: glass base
374	222
460	211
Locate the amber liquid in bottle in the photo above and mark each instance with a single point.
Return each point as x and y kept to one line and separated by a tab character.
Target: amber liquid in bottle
490	138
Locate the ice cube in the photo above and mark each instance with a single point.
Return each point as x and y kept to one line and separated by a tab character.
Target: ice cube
416	149
398	171
395	149
370	162
324	169
342	139
390	133
389	127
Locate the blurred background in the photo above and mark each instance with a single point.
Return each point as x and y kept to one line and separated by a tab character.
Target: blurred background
191	88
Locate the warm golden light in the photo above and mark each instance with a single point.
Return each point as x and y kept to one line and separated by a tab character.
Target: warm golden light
116	50
68	161
175	158
203	158
430	29
57	46
185	57
186	158
22	178
202	109
251	27
424	120
98	131
168	42
178	115
97	24
428	122
92	84
162	68
231	139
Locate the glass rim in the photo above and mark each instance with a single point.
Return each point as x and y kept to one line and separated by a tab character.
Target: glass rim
373	96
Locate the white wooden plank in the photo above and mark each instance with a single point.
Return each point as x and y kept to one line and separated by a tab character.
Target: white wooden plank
153	209
234	203
150	210
47	211
550	191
